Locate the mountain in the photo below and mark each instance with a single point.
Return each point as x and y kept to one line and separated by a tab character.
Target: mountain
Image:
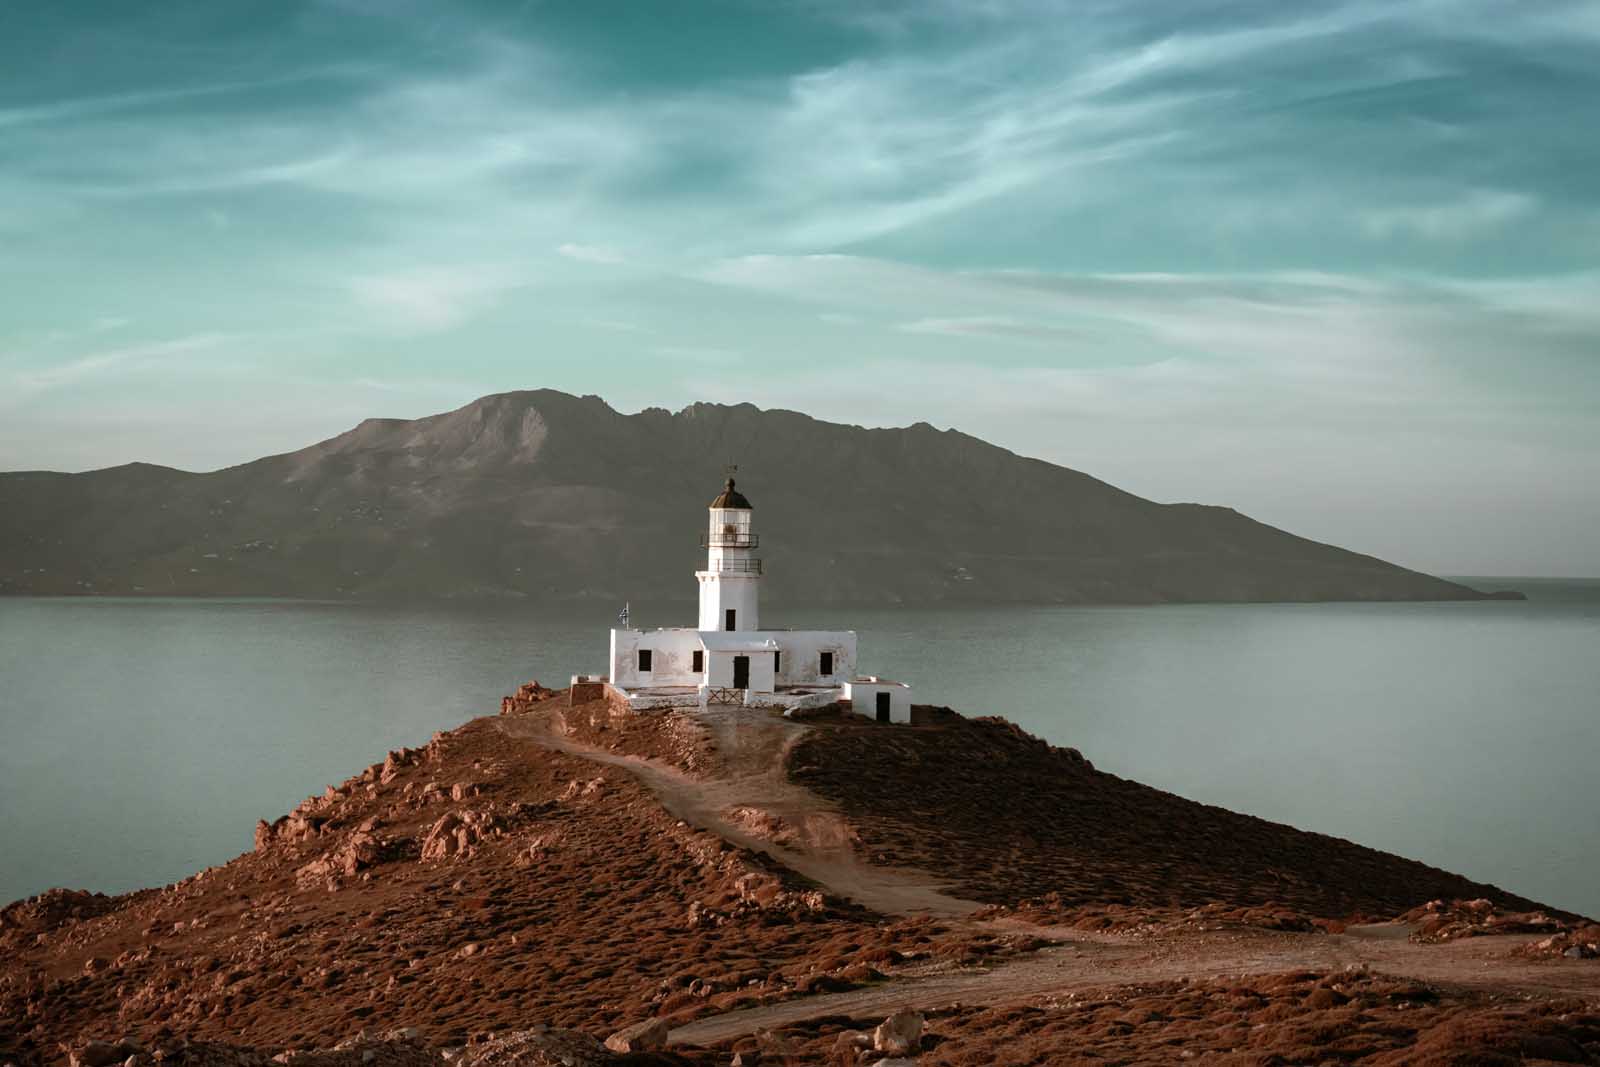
547	495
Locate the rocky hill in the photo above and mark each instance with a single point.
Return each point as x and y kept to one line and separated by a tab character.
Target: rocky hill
527	884
546	495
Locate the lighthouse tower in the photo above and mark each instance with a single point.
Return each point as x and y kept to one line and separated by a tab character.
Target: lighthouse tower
730	585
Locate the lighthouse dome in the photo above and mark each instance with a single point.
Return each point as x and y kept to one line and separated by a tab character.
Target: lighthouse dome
730	498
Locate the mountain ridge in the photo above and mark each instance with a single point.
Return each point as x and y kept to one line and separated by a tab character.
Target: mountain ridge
542	494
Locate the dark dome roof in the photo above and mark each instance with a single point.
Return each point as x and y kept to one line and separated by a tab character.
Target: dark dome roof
730	498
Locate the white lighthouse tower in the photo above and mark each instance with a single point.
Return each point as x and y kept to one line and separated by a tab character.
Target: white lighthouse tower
730	586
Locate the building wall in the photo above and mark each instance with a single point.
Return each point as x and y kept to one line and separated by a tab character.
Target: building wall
801	662
719	670
671	657
719	592
863	697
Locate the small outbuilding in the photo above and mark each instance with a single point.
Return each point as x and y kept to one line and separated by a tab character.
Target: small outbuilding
879	698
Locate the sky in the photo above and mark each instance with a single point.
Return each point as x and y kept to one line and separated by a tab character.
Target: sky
1333	264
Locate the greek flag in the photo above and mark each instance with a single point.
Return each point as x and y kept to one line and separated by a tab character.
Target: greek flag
622	616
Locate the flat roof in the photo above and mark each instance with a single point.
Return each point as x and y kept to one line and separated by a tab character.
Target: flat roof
736	641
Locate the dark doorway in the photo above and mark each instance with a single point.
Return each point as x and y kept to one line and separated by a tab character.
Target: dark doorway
697	662
728	618
777	664
644	660
827	663
741	672
883	707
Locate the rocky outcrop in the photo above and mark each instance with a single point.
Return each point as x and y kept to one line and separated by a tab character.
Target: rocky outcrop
36	918
523	700
1441	920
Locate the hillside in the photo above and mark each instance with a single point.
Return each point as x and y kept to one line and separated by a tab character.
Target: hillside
546	495
588	869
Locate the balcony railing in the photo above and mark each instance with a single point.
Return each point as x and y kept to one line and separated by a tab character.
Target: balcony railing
733	566
730	539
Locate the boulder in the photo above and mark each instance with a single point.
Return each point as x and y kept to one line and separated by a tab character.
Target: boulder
441	841
898	1035
643	1036
359	850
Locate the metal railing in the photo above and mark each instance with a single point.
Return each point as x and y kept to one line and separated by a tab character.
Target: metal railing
730	539
733	566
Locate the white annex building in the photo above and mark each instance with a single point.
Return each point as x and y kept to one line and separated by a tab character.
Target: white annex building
728	659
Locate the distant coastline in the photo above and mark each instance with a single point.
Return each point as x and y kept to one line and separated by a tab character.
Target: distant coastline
543	496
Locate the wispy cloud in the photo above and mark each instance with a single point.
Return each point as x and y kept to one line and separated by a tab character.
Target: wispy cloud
1468	215
590	253
85	367
432	299
994	326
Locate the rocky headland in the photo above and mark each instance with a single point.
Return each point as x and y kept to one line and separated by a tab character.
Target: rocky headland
576	885
544	495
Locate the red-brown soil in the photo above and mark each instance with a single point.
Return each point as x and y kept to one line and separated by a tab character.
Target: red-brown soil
570	904
1264	1021
1013	819
575	867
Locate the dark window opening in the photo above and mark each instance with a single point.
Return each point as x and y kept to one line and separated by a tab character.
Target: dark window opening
777	663
728	618
741	672
827	663
697	662
883	707
644	659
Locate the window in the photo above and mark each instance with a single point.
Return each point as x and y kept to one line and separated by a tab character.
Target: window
644	659
777	663
697	662
728	618
827	663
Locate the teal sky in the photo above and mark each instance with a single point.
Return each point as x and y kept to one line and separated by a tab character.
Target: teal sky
1334	264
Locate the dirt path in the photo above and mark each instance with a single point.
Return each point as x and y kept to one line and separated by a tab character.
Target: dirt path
754	794
815	839
1079	966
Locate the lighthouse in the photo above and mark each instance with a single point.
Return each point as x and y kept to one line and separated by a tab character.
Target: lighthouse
730	586
728	660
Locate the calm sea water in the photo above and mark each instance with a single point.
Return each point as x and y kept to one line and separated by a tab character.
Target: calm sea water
140	740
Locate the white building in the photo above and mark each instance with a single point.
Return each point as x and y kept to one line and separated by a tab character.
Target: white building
728	659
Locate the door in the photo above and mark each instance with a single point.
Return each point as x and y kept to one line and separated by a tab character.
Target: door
728	618
883	707
741	672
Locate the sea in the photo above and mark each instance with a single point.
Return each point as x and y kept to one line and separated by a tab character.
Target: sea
141	739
